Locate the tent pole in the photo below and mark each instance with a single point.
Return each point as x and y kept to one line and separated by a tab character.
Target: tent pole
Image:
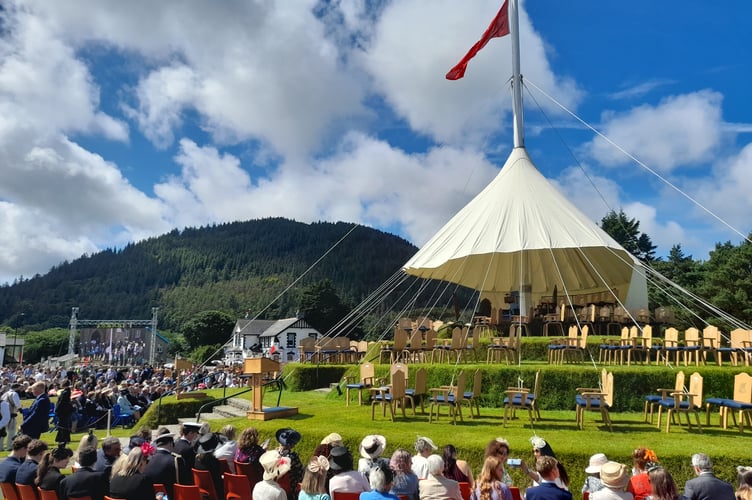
514	30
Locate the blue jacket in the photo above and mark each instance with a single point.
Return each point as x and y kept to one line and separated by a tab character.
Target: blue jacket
37	420
547	491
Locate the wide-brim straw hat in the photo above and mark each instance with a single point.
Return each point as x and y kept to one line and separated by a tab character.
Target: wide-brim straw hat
372	446
614	475
274	464
596	462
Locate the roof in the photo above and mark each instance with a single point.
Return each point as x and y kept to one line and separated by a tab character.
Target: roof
269	328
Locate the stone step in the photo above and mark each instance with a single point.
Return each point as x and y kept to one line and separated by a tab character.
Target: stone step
239	403
229	411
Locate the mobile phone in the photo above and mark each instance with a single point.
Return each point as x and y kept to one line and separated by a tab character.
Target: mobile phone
514	462
265	444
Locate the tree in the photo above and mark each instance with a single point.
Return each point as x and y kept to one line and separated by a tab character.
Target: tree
208	327
322	306
727	279
206	353
627	233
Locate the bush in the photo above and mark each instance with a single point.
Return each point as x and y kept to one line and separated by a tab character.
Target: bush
171	410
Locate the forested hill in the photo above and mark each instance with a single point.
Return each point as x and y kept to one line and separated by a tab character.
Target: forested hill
236	267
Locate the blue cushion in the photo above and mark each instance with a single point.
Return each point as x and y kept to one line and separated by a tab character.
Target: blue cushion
737	405
595	401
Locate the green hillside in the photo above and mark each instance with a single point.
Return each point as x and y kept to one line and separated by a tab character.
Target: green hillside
236	267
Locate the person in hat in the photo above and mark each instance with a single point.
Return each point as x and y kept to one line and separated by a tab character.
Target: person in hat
313	486
371	449
541	448
424	447
333	440
275	467
548	489
593	470
184	445
205	460
166	467
324	449
615	477
228	446
346	479
287	439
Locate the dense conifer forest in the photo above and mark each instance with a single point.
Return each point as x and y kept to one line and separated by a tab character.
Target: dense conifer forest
236	267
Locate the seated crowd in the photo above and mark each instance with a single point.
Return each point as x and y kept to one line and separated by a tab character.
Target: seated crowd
423	474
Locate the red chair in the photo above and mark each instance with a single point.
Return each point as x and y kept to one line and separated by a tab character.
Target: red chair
158	487
87	497
254	473
205	483
237	487
224	466
586	495
47	494
345	495
112	498
27	492
284	483
9	491
182	492
465	490
515	493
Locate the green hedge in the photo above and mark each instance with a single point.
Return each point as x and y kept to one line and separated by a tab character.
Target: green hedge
558	385
171	409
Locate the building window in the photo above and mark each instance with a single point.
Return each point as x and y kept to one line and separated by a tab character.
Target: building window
292	340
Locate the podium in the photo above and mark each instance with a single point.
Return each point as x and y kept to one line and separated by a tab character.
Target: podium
259	369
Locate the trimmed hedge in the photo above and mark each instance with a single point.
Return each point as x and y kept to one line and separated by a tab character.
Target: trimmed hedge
558	385
171	409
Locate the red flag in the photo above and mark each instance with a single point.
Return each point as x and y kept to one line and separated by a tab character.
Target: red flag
498	28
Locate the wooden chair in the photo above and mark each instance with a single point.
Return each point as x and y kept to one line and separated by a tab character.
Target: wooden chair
390	397
596	399
473	397
671	346
254	473
741	402
414	348
554	321
684	402
711	344
457	345
46	494
236	487
471	346
521	398
692	346
183	492
556	347
576	347
203	479
429	345
419	391
652	400
9	491
643	345
306	349
396	348
449	396
738	348
365	381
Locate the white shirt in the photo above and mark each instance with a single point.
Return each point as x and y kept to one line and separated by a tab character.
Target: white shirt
351	481
4	414
227	451
420	466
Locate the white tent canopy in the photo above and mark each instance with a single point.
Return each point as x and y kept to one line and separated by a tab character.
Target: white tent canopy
520	232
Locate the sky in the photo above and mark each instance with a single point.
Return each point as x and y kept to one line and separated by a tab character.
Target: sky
123	120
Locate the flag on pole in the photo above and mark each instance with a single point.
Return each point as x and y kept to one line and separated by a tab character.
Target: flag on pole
499	27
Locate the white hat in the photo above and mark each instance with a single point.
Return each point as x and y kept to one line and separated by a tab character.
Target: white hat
333	439
428	441
274	464
614	475
596	461
372	446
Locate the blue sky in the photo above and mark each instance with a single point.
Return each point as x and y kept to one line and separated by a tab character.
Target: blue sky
123	120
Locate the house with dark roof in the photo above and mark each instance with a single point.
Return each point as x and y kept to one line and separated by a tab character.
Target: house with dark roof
280	338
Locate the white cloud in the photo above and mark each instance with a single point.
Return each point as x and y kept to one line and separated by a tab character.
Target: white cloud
681	130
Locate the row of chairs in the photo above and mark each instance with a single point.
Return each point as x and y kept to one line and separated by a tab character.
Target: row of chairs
331	350
423	346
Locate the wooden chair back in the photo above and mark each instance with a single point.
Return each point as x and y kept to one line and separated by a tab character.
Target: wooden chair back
203	479
671	337
400	340
423	323
711	337
421	382
431	337
477	381
647	337
695	389
405	324
692	337
415	341
367	373
608	389
398	368
743	388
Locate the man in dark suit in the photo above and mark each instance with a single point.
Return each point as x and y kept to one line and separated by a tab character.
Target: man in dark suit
184	446
706	486
37	420
85	481
27	472
10	465
166	467
547	490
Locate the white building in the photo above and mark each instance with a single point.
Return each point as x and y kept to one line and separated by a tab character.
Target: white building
253	337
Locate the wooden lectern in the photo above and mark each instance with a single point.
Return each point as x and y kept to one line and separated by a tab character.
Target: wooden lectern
259	370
